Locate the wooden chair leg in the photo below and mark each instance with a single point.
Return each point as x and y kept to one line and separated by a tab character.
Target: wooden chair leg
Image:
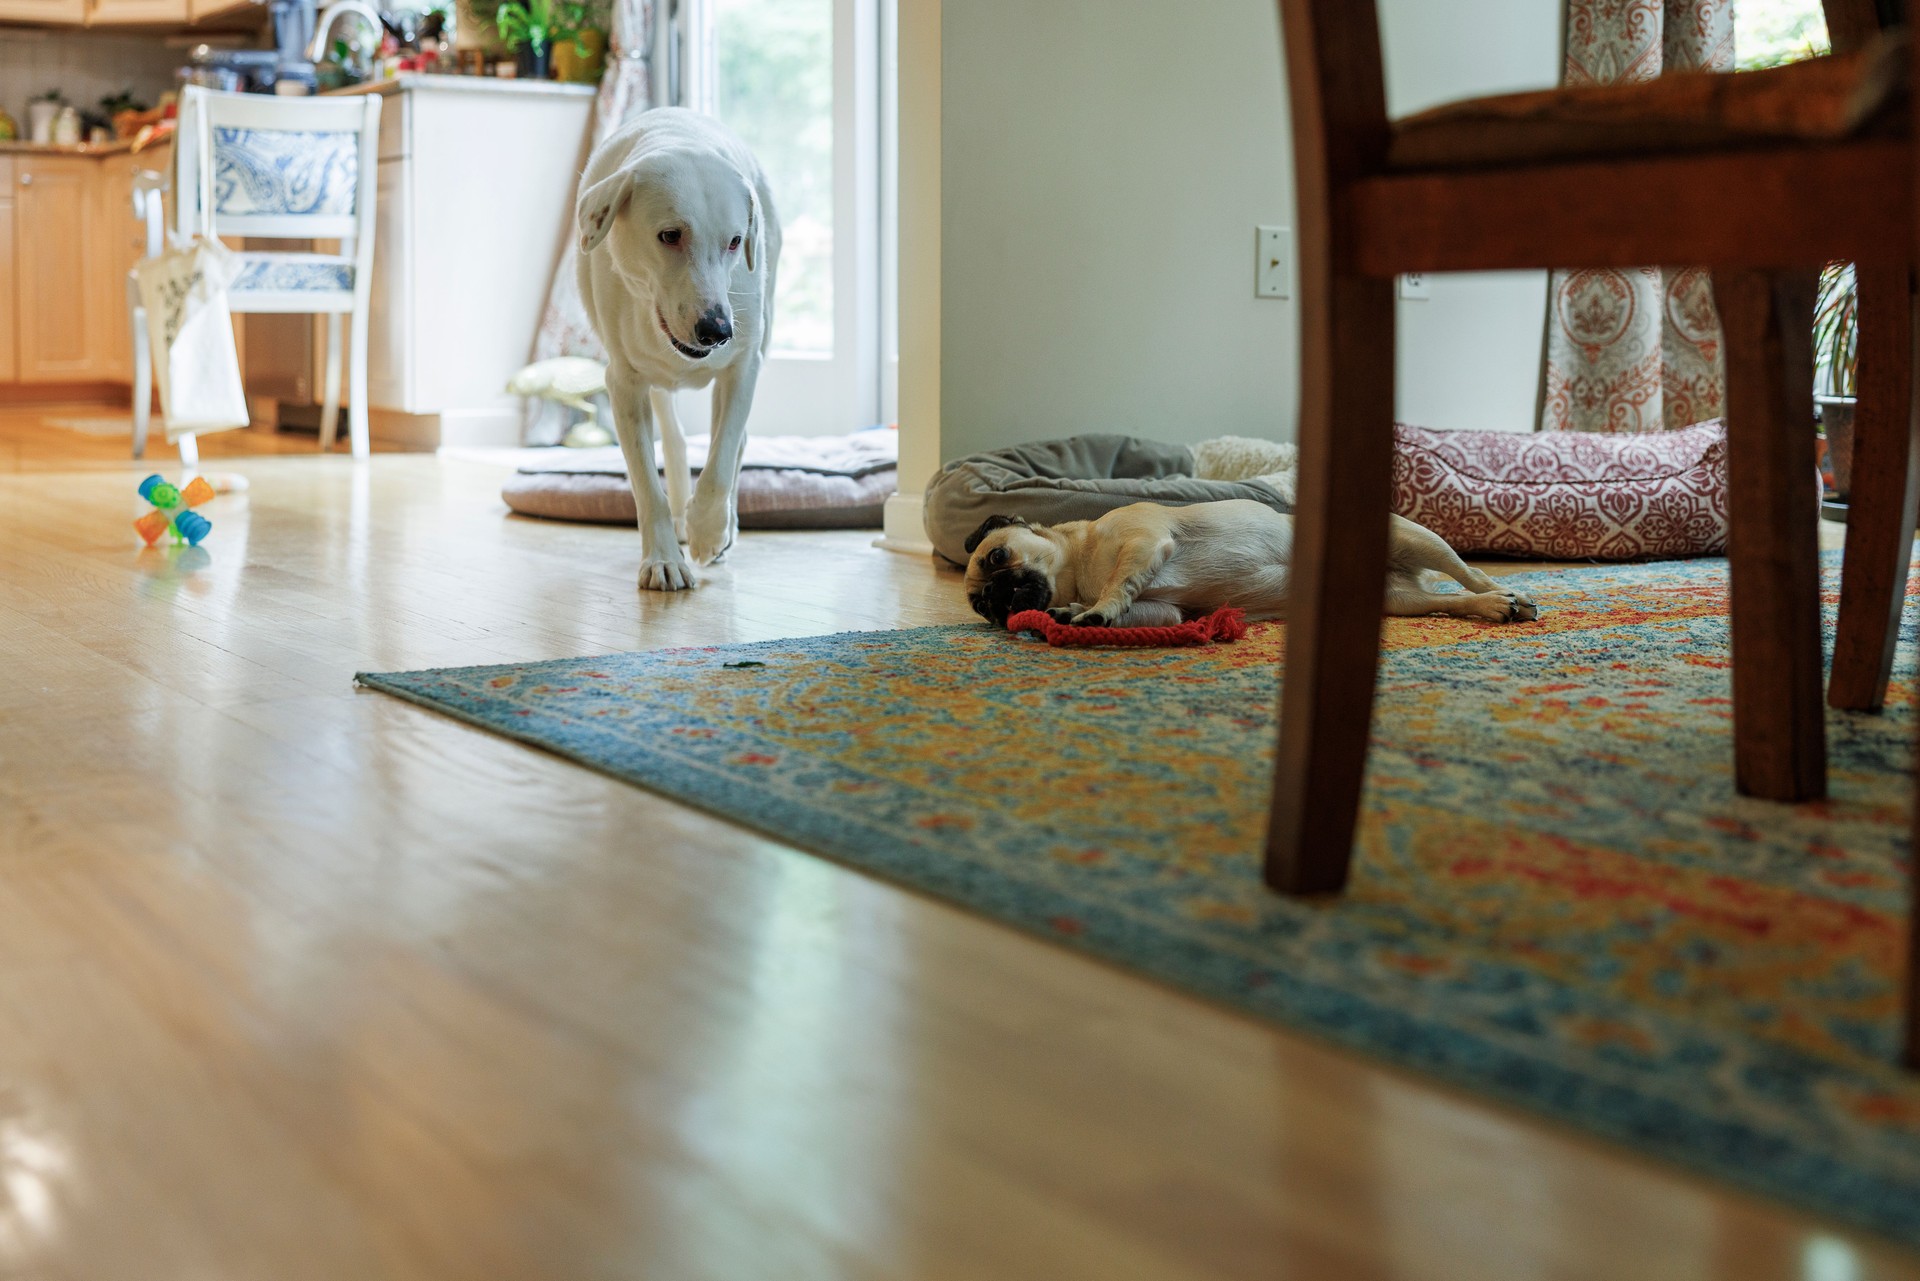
142	378
1338	582
330	385
1886	493
358	431
1778	722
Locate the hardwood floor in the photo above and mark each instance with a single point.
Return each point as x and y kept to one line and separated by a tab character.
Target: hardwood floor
299	981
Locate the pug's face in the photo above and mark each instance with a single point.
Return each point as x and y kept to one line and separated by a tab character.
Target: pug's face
1011	567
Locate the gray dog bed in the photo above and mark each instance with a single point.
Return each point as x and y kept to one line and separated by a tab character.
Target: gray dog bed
786	482
1079	478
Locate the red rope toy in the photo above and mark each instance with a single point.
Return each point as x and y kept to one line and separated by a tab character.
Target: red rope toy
1223	624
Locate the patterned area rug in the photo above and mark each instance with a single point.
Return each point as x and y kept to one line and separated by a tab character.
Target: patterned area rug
1558	900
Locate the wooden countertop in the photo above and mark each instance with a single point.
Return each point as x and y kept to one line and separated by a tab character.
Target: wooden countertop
20	148
414	81
406	82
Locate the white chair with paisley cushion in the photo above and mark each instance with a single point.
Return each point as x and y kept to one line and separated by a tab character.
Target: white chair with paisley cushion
260	167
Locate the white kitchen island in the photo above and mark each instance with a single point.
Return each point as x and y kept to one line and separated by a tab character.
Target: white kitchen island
477	180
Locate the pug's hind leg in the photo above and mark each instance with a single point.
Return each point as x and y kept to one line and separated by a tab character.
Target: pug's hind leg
1414	550
1408	598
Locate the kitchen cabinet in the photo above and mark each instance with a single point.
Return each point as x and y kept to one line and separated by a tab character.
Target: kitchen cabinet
130	13
201	10
8	359
70	13
58	313
391	364
68	237
119	241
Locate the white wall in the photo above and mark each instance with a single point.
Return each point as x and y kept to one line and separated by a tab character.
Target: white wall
1470	356
84	66
1103	166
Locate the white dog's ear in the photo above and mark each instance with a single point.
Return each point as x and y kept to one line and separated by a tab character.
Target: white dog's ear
753	225
598	205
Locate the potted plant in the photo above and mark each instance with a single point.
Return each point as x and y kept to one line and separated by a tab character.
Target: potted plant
1836	334
124	112
530	28
583	59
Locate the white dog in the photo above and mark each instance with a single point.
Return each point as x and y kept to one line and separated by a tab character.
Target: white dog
678	248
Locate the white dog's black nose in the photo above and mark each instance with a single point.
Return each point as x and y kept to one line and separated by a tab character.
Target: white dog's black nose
712	329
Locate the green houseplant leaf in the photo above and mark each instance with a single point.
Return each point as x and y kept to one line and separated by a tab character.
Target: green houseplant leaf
1836	329
529	24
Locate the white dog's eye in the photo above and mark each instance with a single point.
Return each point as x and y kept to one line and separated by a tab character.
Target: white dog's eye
734	243
671	236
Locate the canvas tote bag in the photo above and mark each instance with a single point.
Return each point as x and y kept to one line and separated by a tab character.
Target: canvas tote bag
190	333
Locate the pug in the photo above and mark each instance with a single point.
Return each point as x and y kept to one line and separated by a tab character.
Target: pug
1152	566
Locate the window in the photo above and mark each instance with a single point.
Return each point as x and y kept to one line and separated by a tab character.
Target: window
773	84
804	83
1767	33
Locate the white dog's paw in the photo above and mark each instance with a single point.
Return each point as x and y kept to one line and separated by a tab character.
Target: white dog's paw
680	529
711	529
667	573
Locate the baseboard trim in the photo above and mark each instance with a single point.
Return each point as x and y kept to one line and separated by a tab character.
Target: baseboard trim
902	529
77	394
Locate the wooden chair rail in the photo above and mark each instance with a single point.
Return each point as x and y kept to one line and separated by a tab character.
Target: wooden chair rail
1769	207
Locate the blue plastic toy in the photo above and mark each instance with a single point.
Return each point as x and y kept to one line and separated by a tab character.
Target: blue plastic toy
171	512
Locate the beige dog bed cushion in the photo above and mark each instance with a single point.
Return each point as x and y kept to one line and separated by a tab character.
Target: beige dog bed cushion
786	482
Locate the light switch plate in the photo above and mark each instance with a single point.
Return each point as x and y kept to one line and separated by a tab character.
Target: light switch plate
1273	265
1416	287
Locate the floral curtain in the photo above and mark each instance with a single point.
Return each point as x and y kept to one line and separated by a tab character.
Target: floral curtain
625	91
1636	350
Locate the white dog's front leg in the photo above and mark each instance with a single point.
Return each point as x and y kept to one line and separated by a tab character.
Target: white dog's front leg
673	447
663	567
712	521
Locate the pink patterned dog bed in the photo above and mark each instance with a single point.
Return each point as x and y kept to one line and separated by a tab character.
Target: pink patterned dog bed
1567	495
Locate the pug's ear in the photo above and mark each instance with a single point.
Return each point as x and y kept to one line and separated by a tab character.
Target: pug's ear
987	526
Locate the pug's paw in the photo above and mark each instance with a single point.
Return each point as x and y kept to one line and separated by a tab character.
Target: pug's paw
1091	618
1063	613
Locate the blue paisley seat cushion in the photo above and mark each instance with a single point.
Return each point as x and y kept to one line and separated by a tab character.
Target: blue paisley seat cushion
284	171
292	273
